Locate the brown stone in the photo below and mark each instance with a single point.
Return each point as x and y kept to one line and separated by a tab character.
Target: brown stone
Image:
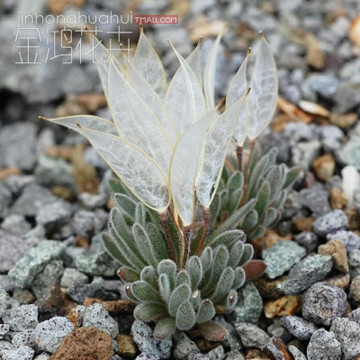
338	200
268	288
267	240
82	242
62	192
114	307
355	289
206	345
353	217
63	152
342	281
336	249
5	173
58	6
324	167
286	305
343	120
85	344
276	346
126	346
255	354
304	223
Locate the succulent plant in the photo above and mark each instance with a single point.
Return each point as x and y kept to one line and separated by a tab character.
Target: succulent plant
174	226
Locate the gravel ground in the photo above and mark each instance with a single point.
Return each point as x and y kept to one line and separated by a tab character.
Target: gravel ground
59	295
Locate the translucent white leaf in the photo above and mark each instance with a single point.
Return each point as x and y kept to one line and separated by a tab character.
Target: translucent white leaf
264	90
149	65
184	165
136	122
136	169
194	62
153	101
102	58
216	145
184	99
237	89
209	73
88	121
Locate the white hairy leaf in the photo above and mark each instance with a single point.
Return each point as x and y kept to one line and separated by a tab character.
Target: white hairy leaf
88	121
209	74
136	122
183	170
264	90
153	101
194	62
149	65
184	99
216	145
136	169
237	89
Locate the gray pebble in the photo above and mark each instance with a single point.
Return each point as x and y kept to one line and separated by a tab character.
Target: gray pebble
350	153
96	315
325	85
23	353
304	153
184	347
350	239
4	329
24	338
298	327
5	200
16	183
276	330
249	305
232	339
7	306
308	240
331	137
154	349
354	263
333	221
307	272
316	199
296	353
281	257
215	354
234	355
50	333
54	214
30	265
323	303
323	346
73	276
15	225
92	201
24	317
347	332
251	335
355	316
42	356
98	264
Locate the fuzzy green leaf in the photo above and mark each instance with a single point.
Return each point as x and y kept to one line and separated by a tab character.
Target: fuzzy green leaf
235	182
231	300
228	238
158	241
234	200
118	222
182	277
177	297
149	311
275	179
215	208
247	254
148	274
236	254
168	267
117	186
185	316
144	245
194	268
206	257
271	216
250	221
128	275
206	311
239	278
263	199
164	328
144	292
126	205
257	232
224	285
140	213
164	287
291	176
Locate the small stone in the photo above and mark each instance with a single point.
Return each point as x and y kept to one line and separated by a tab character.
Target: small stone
353	216
285	305
215	354
298	327
347	332
234	355
95	315
310	270
93	201
350	153
85	344
355	290
7	306
354	263
338	200
99	264
336	249
152	348
15	225
350	240
296	353
323	345
24	317
184	347
42	356
232	339
4	329
50	333
324	167
355	316
54	214
322	303
83	223
343	121
333	221
24	338
305	152
316	199
304	223
249	305
73	276
342	281
281	257
23	353
308	240
251	335
23	296
114	307
350	181
277	349
30	265
269	288
126	345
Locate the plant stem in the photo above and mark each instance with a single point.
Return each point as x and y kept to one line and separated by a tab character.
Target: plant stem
165	224
187	236
239	153
206	218
247	172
